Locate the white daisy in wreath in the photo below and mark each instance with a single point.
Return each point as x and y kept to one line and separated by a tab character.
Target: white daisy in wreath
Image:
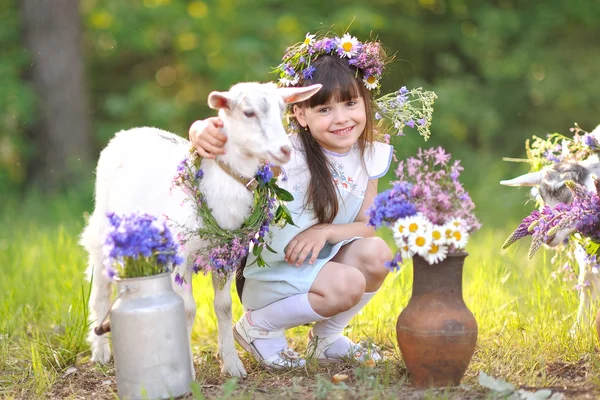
289	82
436	253
309	40
348	46
420	243
371	82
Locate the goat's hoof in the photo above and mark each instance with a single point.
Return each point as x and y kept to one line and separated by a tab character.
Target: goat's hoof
234	369
101	353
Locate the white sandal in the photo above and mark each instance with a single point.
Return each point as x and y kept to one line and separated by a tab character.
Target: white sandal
361	351
244	334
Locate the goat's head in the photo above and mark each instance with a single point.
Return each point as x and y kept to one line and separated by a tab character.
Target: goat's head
550	181
253	117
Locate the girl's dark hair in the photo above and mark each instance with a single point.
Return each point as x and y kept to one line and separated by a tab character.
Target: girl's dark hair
341	82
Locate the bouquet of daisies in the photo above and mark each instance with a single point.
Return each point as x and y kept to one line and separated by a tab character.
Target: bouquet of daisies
138	245
427	208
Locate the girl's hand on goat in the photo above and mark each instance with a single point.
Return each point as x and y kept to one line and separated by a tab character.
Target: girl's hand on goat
207	138
311	241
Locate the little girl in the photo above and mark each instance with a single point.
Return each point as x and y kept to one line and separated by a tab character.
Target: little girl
330	265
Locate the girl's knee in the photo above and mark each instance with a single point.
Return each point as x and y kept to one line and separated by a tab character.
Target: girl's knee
375	254
350	288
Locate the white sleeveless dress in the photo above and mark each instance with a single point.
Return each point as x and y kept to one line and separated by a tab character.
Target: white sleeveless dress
265	285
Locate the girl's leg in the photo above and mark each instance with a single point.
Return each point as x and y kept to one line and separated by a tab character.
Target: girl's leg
337	288
367	256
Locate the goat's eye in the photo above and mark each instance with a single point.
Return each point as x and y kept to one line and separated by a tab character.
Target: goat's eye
250	114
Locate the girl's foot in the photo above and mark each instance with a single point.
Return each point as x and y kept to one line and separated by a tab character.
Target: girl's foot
337	347
269	348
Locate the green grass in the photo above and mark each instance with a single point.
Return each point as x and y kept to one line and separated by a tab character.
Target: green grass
524	317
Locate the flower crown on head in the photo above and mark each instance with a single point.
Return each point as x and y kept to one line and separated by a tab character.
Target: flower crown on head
298	59
412	108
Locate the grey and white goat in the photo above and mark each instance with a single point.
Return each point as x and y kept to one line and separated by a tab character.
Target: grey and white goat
551	188
135	173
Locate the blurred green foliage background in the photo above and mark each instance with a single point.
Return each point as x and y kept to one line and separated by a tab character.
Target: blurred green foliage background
503	70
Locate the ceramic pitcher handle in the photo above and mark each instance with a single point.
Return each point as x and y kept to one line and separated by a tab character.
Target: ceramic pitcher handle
102	328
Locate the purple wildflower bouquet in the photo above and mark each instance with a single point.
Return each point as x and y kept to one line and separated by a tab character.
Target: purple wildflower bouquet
556	224
427	208
227	249
139	245
579	219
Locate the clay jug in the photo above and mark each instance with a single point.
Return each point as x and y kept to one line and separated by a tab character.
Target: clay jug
436	331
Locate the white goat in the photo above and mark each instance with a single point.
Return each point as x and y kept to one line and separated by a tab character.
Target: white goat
135	173
550	184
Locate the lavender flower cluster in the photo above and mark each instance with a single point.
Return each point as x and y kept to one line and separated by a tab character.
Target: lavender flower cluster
139	245
581	215
435	187
429	209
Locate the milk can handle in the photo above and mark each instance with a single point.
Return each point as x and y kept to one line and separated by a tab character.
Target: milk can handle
104	325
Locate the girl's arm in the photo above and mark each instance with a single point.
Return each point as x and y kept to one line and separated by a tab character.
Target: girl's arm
314	238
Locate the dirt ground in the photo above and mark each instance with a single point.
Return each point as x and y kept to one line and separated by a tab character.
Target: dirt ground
87	381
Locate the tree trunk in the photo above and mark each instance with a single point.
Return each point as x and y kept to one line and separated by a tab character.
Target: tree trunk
52	33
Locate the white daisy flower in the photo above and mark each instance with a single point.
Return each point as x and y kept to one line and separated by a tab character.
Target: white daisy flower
309	40
400	228
438	234
456	223
371	82
420	243
436	254
448	230
417	224
405	251
289	82
348	46
459	238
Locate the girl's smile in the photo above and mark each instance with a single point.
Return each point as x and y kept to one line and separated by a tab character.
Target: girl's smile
341	132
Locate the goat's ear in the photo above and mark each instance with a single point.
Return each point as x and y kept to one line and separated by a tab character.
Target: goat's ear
218	100
530	179
297	94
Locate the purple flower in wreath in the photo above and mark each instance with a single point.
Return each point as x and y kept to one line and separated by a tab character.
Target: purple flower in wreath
264	174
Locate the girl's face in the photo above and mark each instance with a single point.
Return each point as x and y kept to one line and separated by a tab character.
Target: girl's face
336	126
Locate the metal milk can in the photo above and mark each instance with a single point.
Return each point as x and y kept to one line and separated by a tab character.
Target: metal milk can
150	341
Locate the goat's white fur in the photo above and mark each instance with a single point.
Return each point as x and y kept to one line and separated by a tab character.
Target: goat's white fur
135	173
588	280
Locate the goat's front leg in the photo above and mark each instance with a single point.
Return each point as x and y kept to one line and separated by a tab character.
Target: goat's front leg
187	294
231	361
589	284
99	305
